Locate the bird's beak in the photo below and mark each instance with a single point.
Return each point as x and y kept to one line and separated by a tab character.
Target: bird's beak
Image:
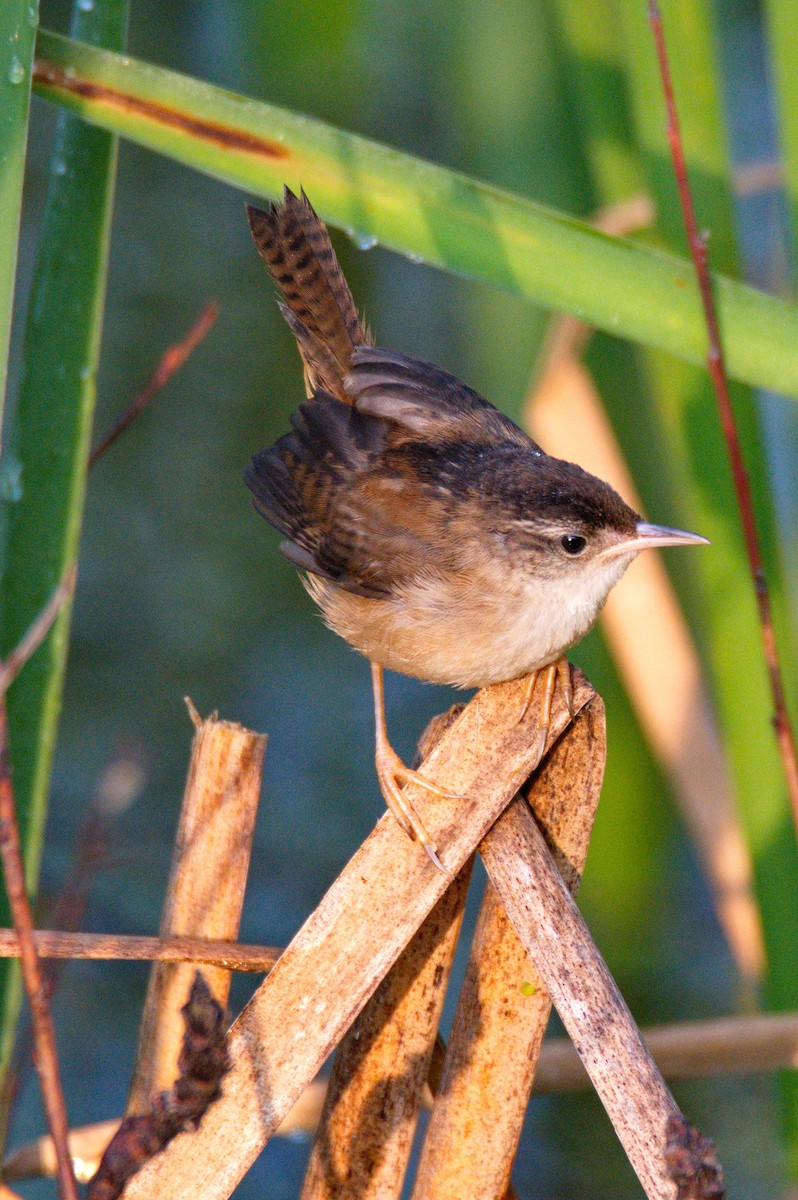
647	536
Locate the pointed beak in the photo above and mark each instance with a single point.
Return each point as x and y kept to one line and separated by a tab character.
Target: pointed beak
647	536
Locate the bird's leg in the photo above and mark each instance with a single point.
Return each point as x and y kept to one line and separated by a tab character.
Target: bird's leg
392	774
560	670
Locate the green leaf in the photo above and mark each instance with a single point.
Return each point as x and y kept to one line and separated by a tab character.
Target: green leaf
423	210
18	21
783	45
50	439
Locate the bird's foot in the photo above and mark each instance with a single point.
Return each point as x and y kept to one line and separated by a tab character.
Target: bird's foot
393	775
560	670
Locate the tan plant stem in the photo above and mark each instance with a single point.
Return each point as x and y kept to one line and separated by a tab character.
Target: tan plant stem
375	1090
206	888
587	999
227	955
503	1009
350	942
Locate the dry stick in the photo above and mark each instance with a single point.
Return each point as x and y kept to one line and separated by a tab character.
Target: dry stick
690	1050
348	945
19	903
223	953
587	999
684	1050
366	1130
205	894
504	1008
171	361
720	384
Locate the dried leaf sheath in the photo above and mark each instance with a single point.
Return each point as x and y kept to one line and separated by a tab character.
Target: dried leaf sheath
504	1008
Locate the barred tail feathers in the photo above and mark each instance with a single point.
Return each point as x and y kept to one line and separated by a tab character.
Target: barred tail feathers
318	304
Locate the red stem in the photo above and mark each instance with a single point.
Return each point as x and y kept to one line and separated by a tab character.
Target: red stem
171	361
720	383
46	1057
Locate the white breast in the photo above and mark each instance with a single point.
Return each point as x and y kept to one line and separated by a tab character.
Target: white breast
483	631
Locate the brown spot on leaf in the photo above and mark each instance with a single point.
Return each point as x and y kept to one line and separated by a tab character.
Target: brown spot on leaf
56	79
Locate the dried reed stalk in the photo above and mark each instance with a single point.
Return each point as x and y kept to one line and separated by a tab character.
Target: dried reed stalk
660	666
117	947
348	945
658	660
685	1050
504	1008
590	1006
206	887
366	1131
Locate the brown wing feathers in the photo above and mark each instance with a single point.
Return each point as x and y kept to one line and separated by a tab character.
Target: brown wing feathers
367	409
319	308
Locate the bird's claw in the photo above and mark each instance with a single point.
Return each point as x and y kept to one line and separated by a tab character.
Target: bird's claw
392	775
558	670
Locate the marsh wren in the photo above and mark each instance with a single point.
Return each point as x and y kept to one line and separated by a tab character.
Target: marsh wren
437	538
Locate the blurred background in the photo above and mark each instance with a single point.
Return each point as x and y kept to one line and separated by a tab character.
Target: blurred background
182	590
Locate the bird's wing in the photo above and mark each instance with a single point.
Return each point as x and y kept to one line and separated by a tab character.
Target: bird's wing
423	401
350	512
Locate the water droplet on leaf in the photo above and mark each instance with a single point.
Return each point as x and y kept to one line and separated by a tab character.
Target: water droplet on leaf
11	479
16	71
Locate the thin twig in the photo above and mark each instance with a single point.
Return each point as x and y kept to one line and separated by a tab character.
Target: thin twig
43	1032
231	956
720	383
37	631
171	361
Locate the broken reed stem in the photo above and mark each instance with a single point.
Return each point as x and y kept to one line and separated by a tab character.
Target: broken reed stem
352	939
206	887
170	362
503	1009
46	1058
366	1129
720	383
586	996
227	955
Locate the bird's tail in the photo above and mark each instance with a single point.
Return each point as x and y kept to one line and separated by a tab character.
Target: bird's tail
318	304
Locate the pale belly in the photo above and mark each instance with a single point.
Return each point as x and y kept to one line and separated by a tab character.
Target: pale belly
466	636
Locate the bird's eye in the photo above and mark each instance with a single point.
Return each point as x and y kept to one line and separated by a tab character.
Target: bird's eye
573	543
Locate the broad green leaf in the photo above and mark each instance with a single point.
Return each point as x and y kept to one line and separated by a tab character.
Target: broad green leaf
423	210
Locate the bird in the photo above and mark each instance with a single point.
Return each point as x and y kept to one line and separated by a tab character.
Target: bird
437	538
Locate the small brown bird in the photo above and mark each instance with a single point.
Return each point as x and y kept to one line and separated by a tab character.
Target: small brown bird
438	539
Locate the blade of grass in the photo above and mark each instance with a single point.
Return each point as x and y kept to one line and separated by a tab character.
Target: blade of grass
18	21
783	44
50	440
421	209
